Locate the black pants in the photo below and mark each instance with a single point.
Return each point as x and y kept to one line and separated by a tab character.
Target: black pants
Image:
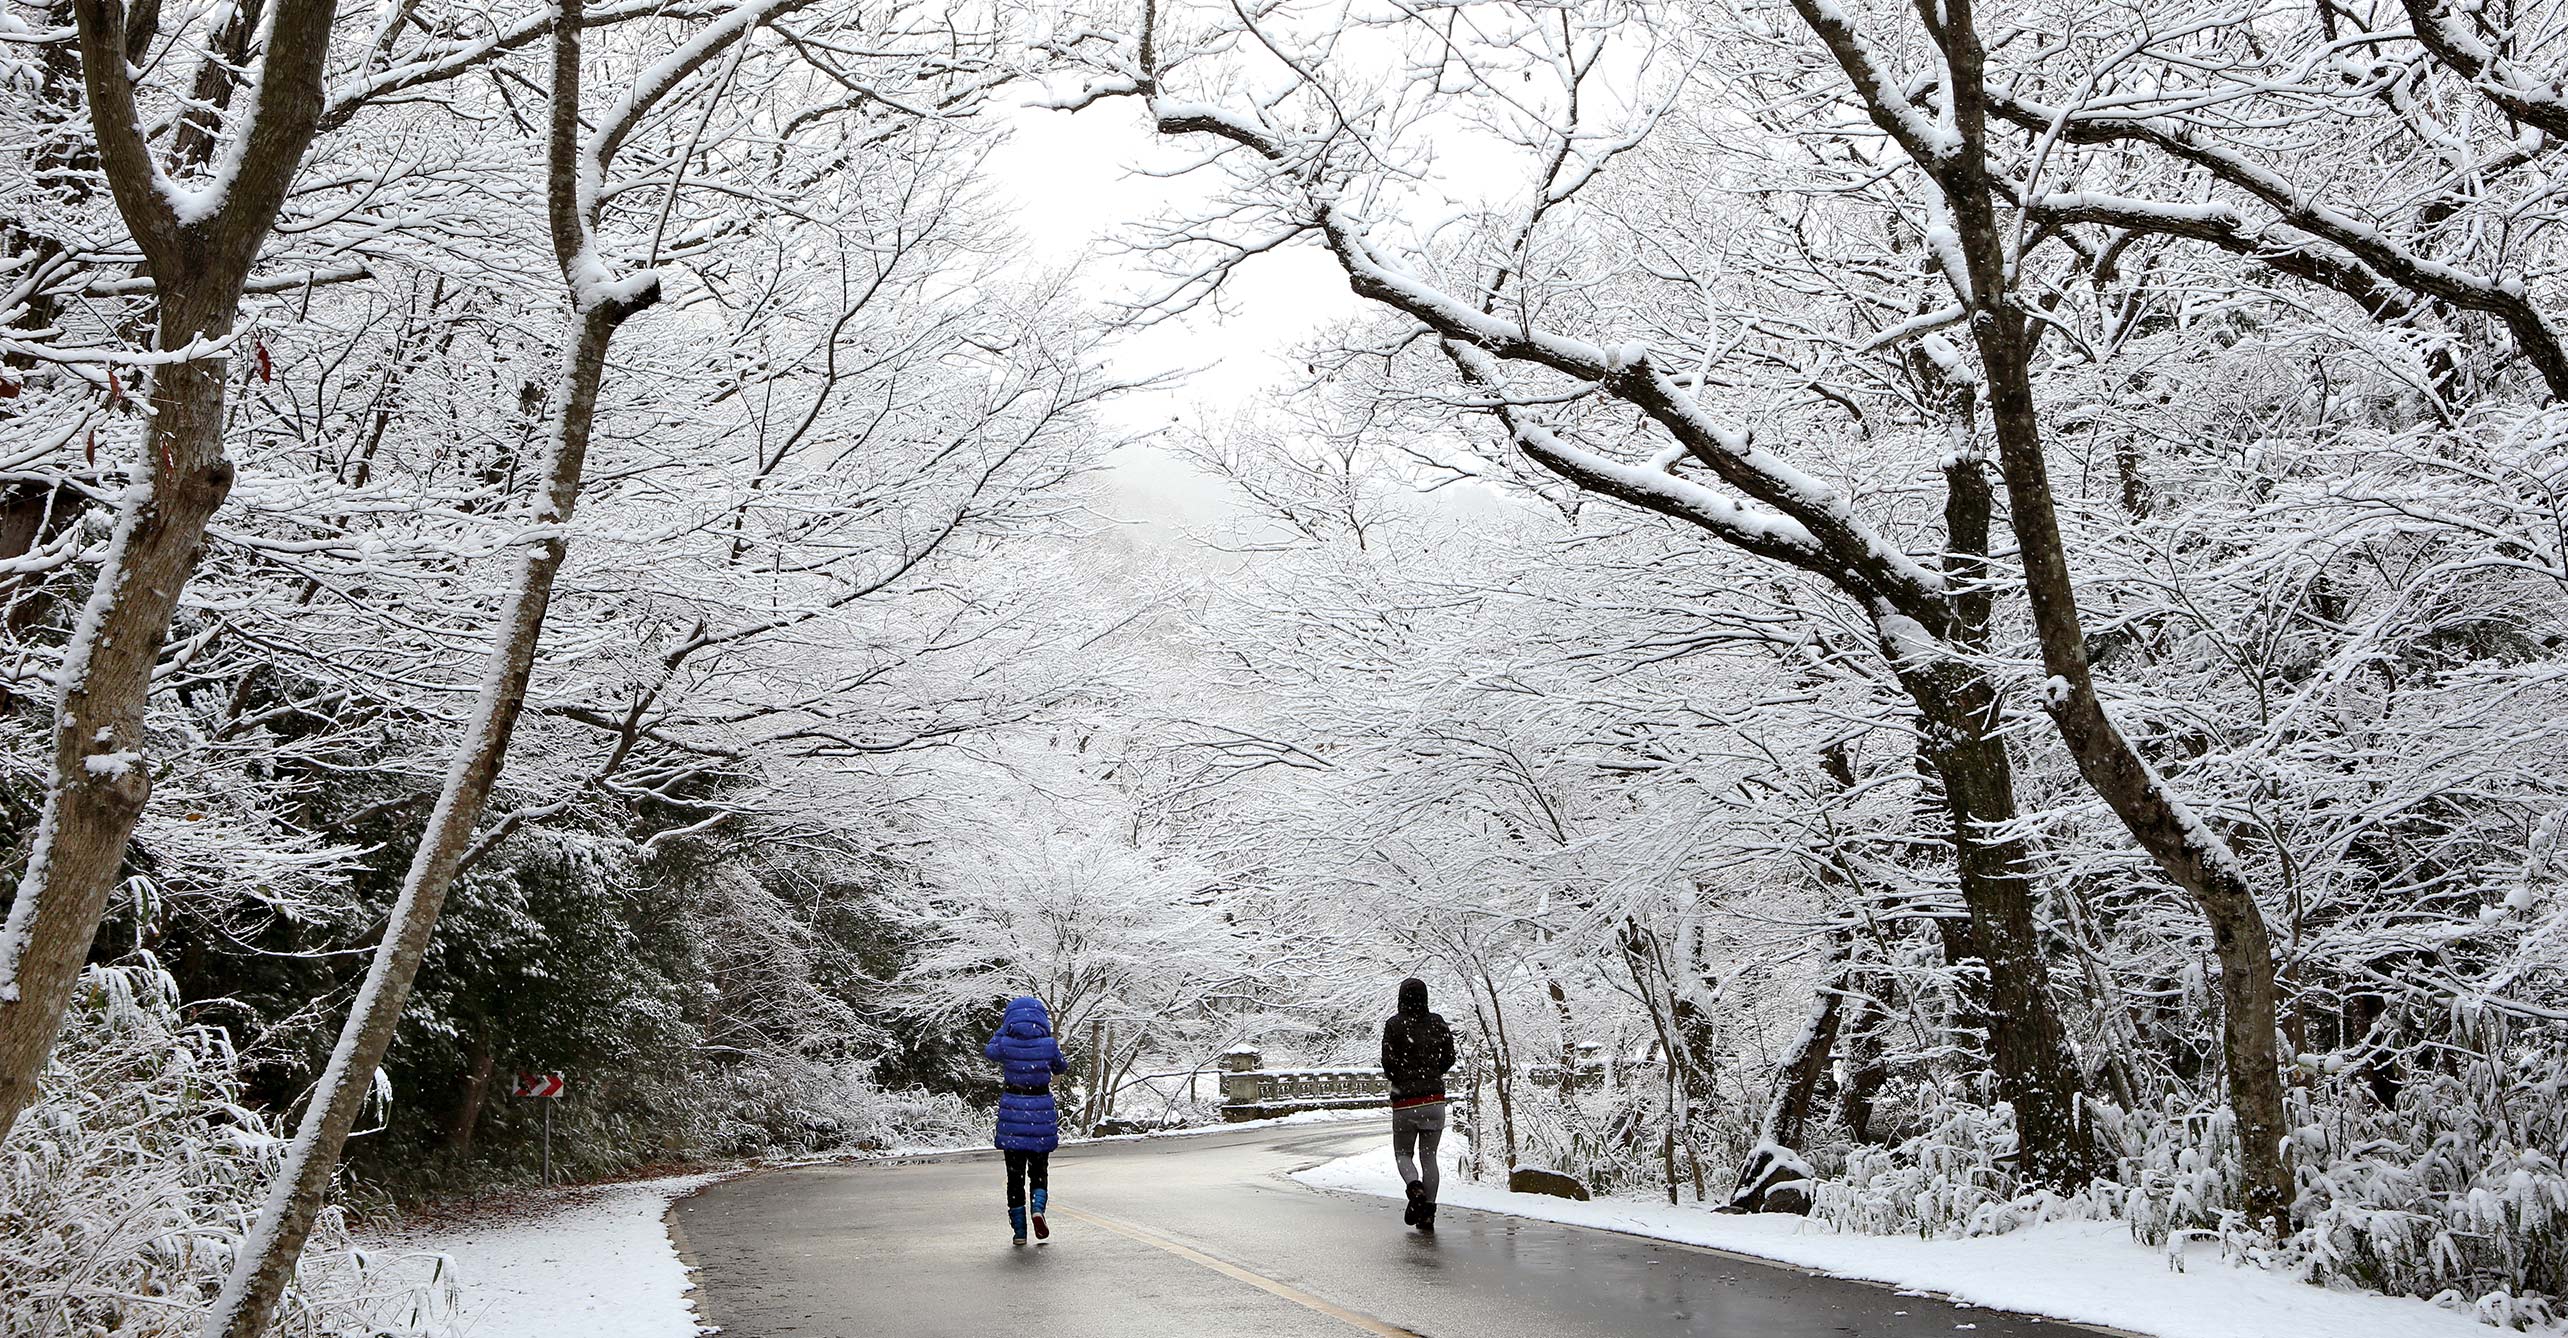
1027	1168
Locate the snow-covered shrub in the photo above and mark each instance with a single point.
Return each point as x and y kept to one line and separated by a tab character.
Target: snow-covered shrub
1608	1145
2179	1174
789	1105
126	1187
874	1117
2458	1192
1954	1178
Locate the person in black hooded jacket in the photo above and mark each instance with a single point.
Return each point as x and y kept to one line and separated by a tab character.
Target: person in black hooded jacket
1417	1052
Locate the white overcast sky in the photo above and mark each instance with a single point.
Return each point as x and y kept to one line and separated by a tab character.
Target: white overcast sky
1082	179
1076	180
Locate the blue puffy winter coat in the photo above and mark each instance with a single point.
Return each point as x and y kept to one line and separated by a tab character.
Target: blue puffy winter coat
1028	1057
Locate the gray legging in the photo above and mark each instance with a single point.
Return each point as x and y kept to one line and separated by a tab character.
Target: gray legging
1415	1132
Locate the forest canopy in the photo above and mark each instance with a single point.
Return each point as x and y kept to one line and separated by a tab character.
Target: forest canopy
1966	612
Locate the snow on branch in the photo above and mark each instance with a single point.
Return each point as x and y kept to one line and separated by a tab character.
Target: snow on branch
1765	534
2504	298
2526	96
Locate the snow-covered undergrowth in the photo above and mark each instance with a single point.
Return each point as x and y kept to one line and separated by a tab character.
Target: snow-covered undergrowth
2448	1188
591	1260
2437	1198
598	1259
786	1106
127	1186
2086	1271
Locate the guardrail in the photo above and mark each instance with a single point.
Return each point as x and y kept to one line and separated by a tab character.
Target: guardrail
1251	1091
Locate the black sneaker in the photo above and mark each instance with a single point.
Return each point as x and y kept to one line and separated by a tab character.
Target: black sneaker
1417	1201
1427	1218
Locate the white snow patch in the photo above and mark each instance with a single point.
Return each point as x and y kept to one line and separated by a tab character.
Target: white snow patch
107	766
2083	1272
593	1260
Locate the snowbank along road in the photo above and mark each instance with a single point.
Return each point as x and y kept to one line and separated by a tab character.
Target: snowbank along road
1207	1236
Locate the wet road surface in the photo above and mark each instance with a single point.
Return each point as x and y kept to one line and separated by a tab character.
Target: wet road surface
1202	1237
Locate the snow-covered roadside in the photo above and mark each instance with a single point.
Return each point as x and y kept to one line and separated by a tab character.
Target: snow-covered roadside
591	1260
597	1259
2085	1272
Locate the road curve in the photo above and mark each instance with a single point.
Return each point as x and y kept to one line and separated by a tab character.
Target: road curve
1205	1236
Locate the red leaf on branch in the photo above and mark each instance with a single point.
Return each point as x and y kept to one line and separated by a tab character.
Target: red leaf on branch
267	369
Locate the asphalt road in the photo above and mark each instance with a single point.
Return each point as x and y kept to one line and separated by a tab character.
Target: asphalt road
1205	1236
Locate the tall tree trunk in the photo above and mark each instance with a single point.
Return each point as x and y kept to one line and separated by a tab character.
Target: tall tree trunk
1502	1065
2007	990
2194	857
2188	851
468	1107
1094	1108
1568	1044
1796	1088
2006	981
267	1260
1866	1070
100	776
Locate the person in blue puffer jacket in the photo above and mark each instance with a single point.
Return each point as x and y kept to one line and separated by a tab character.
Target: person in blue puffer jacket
1029	1124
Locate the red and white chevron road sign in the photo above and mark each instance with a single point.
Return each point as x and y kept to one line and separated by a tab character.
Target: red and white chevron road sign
539	1084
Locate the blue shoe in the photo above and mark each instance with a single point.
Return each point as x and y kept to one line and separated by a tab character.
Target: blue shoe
1041	1231
1016	1218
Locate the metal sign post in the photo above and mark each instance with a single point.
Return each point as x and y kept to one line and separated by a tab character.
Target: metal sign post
549	1087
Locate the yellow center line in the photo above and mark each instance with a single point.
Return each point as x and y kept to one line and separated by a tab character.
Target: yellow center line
1296	1295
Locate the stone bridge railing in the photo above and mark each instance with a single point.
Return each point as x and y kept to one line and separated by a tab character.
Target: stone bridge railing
1251	1091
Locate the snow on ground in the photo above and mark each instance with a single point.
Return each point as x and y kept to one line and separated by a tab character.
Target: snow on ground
2086	1272
597	1259
591	1260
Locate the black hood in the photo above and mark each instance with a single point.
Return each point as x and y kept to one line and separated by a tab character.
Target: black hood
1413	995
